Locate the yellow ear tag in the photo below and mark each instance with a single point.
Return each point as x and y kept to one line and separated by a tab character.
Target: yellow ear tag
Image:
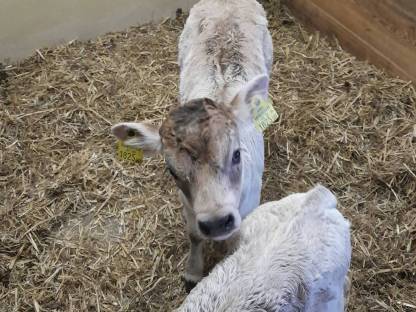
128	153
263	113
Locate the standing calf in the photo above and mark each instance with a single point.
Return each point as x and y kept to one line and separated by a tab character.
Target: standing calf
210	143
293	255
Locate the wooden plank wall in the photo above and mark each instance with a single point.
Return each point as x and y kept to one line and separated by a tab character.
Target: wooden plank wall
380	31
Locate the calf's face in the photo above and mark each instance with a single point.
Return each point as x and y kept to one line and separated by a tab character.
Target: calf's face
204	153
202	150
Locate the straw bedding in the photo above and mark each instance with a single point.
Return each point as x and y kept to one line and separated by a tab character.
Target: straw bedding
82	231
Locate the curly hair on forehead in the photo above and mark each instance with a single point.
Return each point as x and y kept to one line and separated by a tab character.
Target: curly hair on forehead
192	127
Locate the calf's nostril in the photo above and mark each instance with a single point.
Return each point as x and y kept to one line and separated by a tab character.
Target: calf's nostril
229	222
204	227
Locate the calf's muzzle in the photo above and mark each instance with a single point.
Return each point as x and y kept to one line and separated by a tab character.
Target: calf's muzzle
217	227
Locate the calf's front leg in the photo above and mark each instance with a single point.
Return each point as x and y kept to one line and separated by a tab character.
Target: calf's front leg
194	269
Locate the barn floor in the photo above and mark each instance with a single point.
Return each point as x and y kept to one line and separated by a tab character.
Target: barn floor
83	231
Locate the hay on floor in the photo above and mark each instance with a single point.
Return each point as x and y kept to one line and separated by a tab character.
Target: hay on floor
82	231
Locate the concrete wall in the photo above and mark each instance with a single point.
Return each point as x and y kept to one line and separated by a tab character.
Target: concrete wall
26	25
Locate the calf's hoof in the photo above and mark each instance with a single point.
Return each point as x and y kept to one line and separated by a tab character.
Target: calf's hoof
189	285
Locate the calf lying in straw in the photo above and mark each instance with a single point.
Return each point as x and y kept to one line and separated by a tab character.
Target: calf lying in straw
293	255
210	144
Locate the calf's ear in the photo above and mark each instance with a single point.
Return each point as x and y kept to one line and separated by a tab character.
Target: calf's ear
139	135
241	104
321	197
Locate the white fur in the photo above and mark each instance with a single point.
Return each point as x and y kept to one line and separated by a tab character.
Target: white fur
293	255
196	79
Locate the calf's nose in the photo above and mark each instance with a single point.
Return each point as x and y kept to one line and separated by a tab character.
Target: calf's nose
217	227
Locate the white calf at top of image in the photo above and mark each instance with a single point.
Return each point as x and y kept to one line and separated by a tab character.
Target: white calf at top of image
210	143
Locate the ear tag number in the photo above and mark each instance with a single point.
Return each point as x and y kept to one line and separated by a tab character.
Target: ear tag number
128	153
263	113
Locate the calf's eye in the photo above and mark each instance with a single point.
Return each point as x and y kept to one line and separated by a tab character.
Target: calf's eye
173	174
236	157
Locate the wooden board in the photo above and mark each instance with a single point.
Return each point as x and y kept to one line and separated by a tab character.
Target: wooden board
380	31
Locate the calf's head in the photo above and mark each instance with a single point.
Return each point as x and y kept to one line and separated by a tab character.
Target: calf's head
205	155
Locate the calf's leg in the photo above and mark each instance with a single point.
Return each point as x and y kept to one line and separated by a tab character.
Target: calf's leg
194	269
